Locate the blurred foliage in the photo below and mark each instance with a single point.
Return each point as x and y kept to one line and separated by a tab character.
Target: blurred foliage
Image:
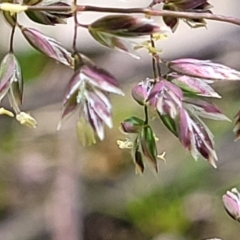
32	64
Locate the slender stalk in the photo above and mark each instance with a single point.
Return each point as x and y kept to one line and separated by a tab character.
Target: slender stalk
155	58
151	12
155	61
77	57
155	74
146	114
12	38
75	27
83	25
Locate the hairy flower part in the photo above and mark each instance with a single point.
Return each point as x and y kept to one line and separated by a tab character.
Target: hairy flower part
203	69
166	98
186	5
110	31
140	92
48	46
204	109
11	82
193	86
196	137
231	202
88	90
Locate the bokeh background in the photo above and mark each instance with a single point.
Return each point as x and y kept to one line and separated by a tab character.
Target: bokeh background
52	188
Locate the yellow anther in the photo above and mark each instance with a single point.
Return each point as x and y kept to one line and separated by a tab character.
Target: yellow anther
162	156
3	111
125	144
26	119
13	8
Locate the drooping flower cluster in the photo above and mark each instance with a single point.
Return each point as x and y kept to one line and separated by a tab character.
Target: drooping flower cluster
89	86
179	100
144	144
87	91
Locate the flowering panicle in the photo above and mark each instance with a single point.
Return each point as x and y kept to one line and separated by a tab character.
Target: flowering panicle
178	97
87	90
178	100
